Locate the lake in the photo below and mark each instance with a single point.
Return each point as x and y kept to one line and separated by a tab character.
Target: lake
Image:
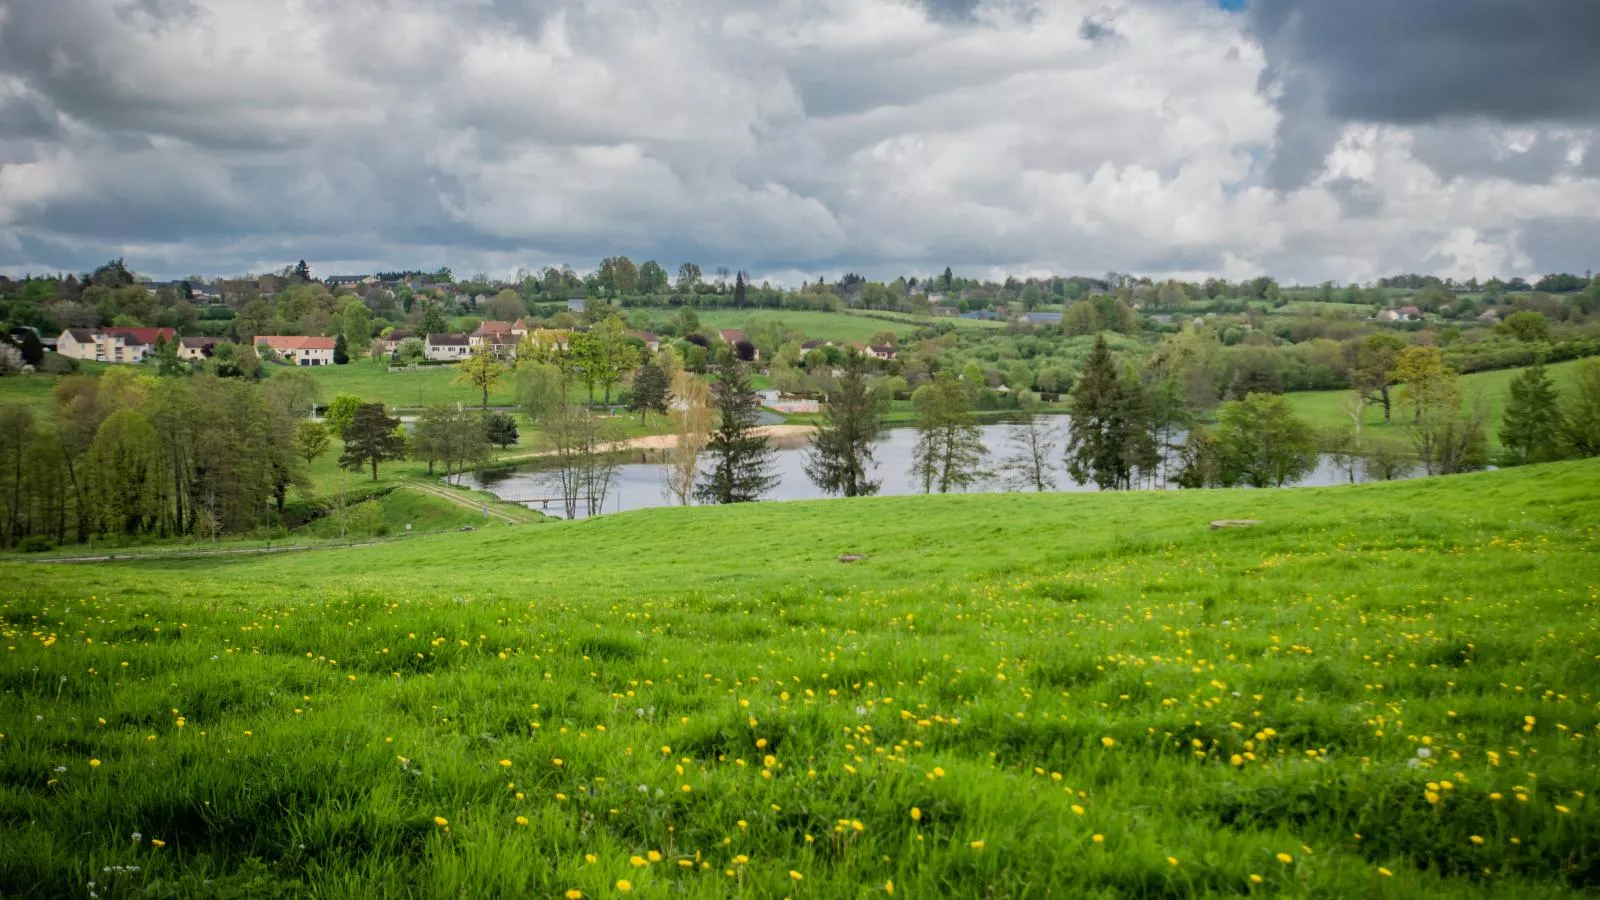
641	485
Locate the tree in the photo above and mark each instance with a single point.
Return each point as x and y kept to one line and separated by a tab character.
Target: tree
124	463
741	457
650	391
310	440
1109	439
302	272
1264	443
738	291
1531	427
341	351
614	355
254	319
1372	371
501	429
949	451
32	348
691	433
1028	467
1580	435
452	434
585	468
169	364
355	326
840	458
371	438
433	320
688	277
483	370
1527	326
341	412
1424	380
411	351
541	388
293	392
1386	460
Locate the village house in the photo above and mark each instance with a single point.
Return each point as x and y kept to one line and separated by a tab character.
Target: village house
519	328
112	345
197	349
881	351
788	405
298	350
391	342
350	281
1410	313
490	333
650	339
448	347
1388	315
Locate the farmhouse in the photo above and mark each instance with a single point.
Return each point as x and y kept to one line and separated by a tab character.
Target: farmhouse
881	351
448	347
297	350
113	345
197	349
491	333
391	342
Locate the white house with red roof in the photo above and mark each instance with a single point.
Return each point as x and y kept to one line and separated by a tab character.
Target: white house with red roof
298	350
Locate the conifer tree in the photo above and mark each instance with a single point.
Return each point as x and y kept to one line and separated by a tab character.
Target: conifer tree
741	458
651	391
341	350
839	459
1530	431
371	438
1098	442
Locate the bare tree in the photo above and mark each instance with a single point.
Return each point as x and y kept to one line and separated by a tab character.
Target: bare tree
1028	468
691	414
585	460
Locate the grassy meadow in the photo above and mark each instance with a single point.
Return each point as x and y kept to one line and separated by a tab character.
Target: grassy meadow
1326	409
1385	690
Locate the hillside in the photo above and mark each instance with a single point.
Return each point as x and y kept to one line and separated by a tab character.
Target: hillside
1381	690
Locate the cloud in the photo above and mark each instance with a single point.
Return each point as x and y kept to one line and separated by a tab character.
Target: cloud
792	140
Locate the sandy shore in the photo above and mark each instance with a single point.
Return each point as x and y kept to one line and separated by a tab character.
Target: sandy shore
666	441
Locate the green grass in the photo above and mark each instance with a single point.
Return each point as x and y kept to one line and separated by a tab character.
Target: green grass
522	711
825	326
1326	409
371	380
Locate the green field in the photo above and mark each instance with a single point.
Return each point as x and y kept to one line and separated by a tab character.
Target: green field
824	326
1326	409
1385	690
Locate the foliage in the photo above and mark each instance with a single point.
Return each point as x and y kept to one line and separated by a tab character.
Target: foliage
949	451
501	429
1581	431
411	351
311	440
1110	441
741	456
691	432
1029	468
451	434
541	389
1530	430
583	467
1263	443
483	370
651	391
371	437
342	412
341	351
840	458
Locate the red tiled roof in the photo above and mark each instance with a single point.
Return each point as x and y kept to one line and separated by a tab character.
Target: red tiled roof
141	335
493	326
295	342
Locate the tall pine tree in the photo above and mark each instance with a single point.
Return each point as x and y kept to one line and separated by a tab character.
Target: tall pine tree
839	460
1530	431
1098	443
738	291
742	466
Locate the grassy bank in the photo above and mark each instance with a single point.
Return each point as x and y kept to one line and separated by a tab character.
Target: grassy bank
1386	690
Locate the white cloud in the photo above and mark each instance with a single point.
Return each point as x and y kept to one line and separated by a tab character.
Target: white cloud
798	138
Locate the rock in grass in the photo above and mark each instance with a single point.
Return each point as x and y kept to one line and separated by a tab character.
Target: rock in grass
1220	524
850	557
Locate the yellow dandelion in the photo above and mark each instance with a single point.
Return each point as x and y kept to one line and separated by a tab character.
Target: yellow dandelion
1172	860
94	763
888	886
1098	839
1107	742
1285	858
977	845
157	842
573	894
916	814
522	820
505	762
796	875
1077	810
638	862
624	885
590	858
1385	872
654	855
440	821
1256	879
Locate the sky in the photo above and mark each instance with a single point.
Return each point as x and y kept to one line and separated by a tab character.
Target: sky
1310	140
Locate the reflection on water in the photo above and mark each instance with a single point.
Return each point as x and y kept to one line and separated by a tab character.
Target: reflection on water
642	484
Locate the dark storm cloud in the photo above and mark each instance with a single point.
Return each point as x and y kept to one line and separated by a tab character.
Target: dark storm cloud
1094	30
1356	198
1562	244
1423	61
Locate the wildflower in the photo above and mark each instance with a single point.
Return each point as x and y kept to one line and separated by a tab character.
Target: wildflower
888	886
1476	840
624	885
590	858
1172	860
1431	796
522	820
157	842
574	894
977	845
1285	858
796	875
505	762
440	821
94	763
638	862
1562	809
916	814
1107	742
1077	810
1385	872
1256	879
655	856
1098	838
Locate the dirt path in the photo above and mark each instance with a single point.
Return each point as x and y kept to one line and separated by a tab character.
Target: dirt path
472	503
